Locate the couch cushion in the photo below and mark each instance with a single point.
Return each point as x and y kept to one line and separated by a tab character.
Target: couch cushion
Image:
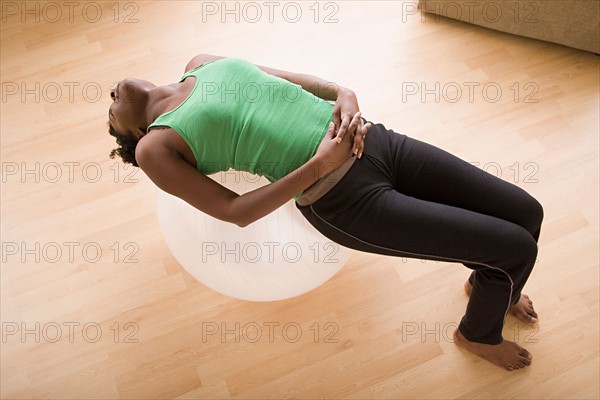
573	23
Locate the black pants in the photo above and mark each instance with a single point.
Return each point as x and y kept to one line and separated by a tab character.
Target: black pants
407	198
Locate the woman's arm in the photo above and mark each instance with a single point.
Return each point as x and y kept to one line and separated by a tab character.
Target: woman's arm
174	175
165	167
346	103
319	87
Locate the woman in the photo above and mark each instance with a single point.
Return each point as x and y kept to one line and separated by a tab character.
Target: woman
382	193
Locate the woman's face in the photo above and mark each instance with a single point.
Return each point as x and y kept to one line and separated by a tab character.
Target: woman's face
127	113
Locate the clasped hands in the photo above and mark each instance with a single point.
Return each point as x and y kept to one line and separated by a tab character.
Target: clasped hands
345	135
348	121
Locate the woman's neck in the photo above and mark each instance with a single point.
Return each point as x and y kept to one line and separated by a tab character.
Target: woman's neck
163	99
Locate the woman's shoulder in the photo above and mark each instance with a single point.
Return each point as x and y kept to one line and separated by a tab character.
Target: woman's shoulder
201	59
158	137
164	138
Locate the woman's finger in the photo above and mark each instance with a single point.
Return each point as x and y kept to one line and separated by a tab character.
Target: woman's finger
352	128
362	139
343	127
331	130
358	138
354	124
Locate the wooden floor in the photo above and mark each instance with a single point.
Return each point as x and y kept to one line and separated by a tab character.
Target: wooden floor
77	324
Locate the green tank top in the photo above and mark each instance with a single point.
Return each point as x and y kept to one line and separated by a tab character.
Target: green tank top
239	117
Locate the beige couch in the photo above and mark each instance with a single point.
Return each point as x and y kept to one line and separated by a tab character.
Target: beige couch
573	23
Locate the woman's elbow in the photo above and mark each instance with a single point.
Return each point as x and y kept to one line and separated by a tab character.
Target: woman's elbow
240	220
242	224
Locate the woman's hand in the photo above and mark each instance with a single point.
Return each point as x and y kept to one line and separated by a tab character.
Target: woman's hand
335	150
346	106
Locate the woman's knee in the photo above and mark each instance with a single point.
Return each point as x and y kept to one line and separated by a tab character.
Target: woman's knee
540	212
523	250
535	215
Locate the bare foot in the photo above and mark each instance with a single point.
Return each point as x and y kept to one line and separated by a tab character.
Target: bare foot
522	310
507	354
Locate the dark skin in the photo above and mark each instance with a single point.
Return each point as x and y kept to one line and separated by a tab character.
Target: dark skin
169	162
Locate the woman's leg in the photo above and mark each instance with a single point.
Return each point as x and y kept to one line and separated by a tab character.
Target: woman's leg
409	199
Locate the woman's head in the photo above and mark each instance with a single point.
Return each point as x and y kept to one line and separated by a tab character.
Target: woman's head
128	116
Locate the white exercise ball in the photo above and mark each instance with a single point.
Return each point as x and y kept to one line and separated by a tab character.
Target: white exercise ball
276	257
